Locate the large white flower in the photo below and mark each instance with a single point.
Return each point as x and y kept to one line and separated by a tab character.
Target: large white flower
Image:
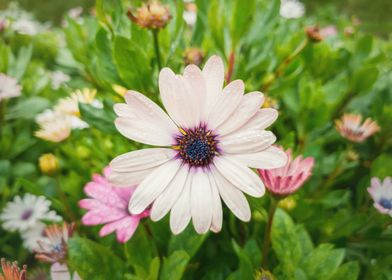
291	9
8	87
24	213
208	140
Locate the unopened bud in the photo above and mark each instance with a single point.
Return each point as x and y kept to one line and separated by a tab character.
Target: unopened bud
48	164
264	275
314	33
153	15
193	56
288	203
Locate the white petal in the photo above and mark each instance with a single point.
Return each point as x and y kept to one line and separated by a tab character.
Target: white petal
144	121
261	120
240	176
248	107
269	158
217	213
213	73
233	198
141	159
201	201
129	179
226	103
168	197
246	141
180	214
153	185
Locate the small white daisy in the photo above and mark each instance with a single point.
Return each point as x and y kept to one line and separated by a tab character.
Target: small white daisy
70	106
24	213
381	192
54	126
291	9
59	78
209	139
31	235
9	87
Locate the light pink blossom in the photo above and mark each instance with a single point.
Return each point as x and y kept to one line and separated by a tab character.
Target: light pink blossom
289	178
109	205
381	192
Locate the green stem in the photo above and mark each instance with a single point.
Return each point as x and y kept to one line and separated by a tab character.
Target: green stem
155	33
267	233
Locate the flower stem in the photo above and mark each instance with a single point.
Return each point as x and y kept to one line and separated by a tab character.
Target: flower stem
279	70
155	33
231	66
267	233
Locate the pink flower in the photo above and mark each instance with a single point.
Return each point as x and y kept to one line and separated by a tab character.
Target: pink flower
350	126
109	205
328	31
381	192
286	180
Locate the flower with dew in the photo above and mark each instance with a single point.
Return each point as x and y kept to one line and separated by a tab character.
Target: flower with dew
31	235
11	271
289	178
381	192
350	126
9	87
25	212
108	205
58	78
54	126
54	249
208	142
70	105
151	15
291	9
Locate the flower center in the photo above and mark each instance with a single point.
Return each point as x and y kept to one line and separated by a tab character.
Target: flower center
197	146
26	214
386	203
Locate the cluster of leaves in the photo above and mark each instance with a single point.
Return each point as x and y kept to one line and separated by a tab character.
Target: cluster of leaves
312	88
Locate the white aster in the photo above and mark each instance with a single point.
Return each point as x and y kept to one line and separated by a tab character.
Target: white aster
26	212
54	126
291	9
208	142
9	87
31	235
59	78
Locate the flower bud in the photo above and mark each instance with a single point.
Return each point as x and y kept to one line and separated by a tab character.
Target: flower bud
152	15
264	275
288	203
314	33
193	56
48	164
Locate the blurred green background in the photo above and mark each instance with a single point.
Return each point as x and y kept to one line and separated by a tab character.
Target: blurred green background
375	15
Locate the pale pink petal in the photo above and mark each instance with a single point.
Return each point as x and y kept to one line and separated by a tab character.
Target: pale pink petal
180	214
233	198
59	272
201	201
144	121
246	141
104	194
248	107
152	186
168	197
213	73
226	103
217	213
240	176
141	159
102	214
269	158
124	228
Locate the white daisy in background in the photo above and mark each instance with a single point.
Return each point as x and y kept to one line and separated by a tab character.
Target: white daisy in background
26	212
58	78
32	235
381	193
54	126
69	105
291	9
9	87
209	140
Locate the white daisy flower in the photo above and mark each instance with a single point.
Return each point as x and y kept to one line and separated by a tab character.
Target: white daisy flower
54	126
69	105
381	193
32	235
59	78
9	87
24	213
208	141
291	9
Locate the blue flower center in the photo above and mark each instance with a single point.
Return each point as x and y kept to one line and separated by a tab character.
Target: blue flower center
196	147
386	203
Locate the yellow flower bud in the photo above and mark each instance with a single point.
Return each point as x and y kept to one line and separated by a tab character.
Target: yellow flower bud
48	164
288	203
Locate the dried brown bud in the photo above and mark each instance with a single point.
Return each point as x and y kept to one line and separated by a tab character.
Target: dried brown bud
152	15
193	56
314	33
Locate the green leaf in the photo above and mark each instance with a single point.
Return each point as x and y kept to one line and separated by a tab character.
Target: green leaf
241	19
101	119
27	109
246	269
18	67
188	240
363	79
381	166
94	261
174	266
348	271
322	261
